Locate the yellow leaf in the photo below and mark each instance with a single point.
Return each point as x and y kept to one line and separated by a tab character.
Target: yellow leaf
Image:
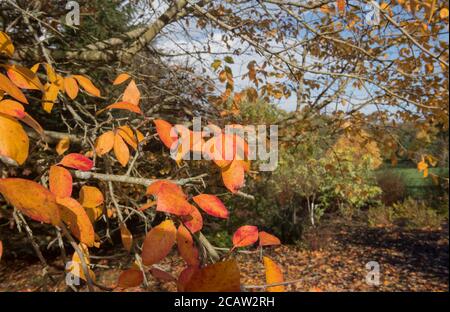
63	145
6	46
71	87
104	143
87	85
121	150
443	13
14	142
273	275
24	78
10	88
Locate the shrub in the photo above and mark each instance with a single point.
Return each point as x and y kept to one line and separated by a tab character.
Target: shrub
392	185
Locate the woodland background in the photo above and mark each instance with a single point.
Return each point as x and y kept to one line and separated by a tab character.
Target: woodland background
362	112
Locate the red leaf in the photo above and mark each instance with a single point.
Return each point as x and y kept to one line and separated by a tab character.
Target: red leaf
245	235
158	186
77	161
212	205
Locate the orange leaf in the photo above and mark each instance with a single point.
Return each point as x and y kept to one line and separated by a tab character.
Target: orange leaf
158	242
130	137
122	105
186	246
169	202
245	235
131	94
73	214
126	236
32	123
77	161
63	145
50	96
266	239
212	205
273	275
6	46
166	135
104	143
130	278
233	176
7	86
87	85
32	199
121	79
121	150
24	78
90	197
194	220
71	87
162	275
162	185
12	108
218	277
60	181
14	142
341	5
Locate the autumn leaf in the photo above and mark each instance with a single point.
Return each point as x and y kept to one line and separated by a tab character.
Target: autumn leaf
186	246
131	94
122	105
77	161
443	13
126	236
169	197
104	143
32	199
212	205
71	87
63	145
60	181
12	108
32	123
233	176
90	196
158	242
75	267
121	78
121	150
23	77
245	235
185	277
266	239
73	214
10	88
130	137
6	46
166	135
50	96
194	220
161	275
218	277
14	142
130	278
87	85
273	275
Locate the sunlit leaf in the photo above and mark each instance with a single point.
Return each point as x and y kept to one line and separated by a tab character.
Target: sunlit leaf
87	85
233	176
273	275
14	142
122	105
77	161
121	78
60	181
131	94
12	108
31	198
186	247
266	239
212	205
104	143
245	236
158	242
71	87
6	46
164	130
10	88
121	150
24	78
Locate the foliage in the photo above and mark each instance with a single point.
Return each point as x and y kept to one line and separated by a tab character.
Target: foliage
410	213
